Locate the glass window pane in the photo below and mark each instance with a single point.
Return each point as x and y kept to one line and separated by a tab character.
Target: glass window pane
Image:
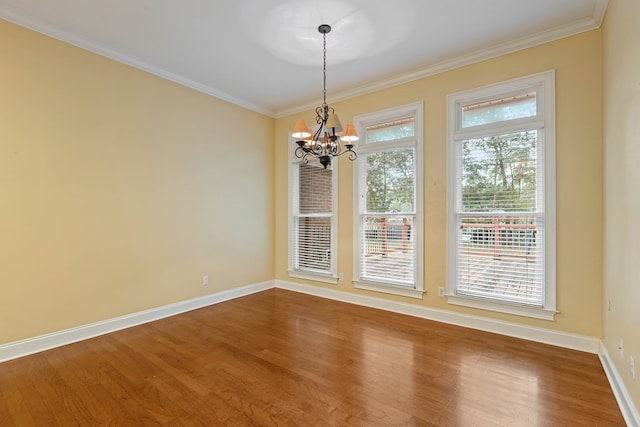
498	110
390	131
499	173
390	181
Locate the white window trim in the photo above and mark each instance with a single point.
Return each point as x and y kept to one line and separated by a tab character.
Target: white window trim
332	276
361	122
544	84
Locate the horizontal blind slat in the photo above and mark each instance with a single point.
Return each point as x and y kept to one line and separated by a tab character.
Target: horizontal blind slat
388	249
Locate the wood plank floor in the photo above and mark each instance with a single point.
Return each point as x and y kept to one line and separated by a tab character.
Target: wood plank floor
283	358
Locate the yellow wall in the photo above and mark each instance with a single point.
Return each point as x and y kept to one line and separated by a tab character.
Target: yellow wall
577	61
621	71
119	190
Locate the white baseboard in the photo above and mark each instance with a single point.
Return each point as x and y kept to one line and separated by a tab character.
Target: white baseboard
45	342
56	339
627	407
546	336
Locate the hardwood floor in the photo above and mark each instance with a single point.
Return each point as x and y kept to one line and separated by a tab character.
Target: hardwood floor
283	358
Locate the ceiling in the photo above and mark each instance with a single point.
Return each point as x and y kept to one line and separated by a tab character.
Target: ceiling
266	55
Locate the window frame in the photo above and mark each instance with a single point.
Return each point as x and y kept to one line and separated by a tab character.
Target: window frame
331	276
361	122
544	121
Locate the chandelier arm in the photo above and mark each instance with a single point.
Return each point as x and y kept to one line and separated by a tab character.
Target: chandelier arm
352	154
300	152
303	154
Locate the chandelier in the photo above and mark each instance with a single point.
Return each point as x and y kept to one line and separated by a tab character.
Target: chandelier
324	143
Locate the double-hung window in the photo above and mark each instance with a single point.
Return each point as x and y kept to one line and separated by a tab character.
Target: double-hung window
312	219
388	206
501	197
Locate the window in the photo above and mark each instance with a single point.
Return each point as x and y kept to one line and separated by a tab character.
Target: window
388	206
501	197
312	224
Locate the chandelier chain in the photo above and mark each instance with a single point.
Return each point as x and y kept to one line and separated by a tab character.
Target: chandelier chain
324	69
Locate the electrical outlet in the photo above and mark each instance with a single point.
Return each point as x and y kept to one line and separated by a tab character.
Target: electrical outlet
205	280
632	367
340	277
441	291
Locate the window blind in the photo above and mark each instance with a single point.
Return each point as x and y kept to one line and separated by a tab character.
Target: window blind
500	218
312	216
387	245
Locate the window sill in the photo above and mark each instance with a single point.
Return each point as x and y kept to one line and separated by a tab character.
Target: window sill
519	310
389	289
318	277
